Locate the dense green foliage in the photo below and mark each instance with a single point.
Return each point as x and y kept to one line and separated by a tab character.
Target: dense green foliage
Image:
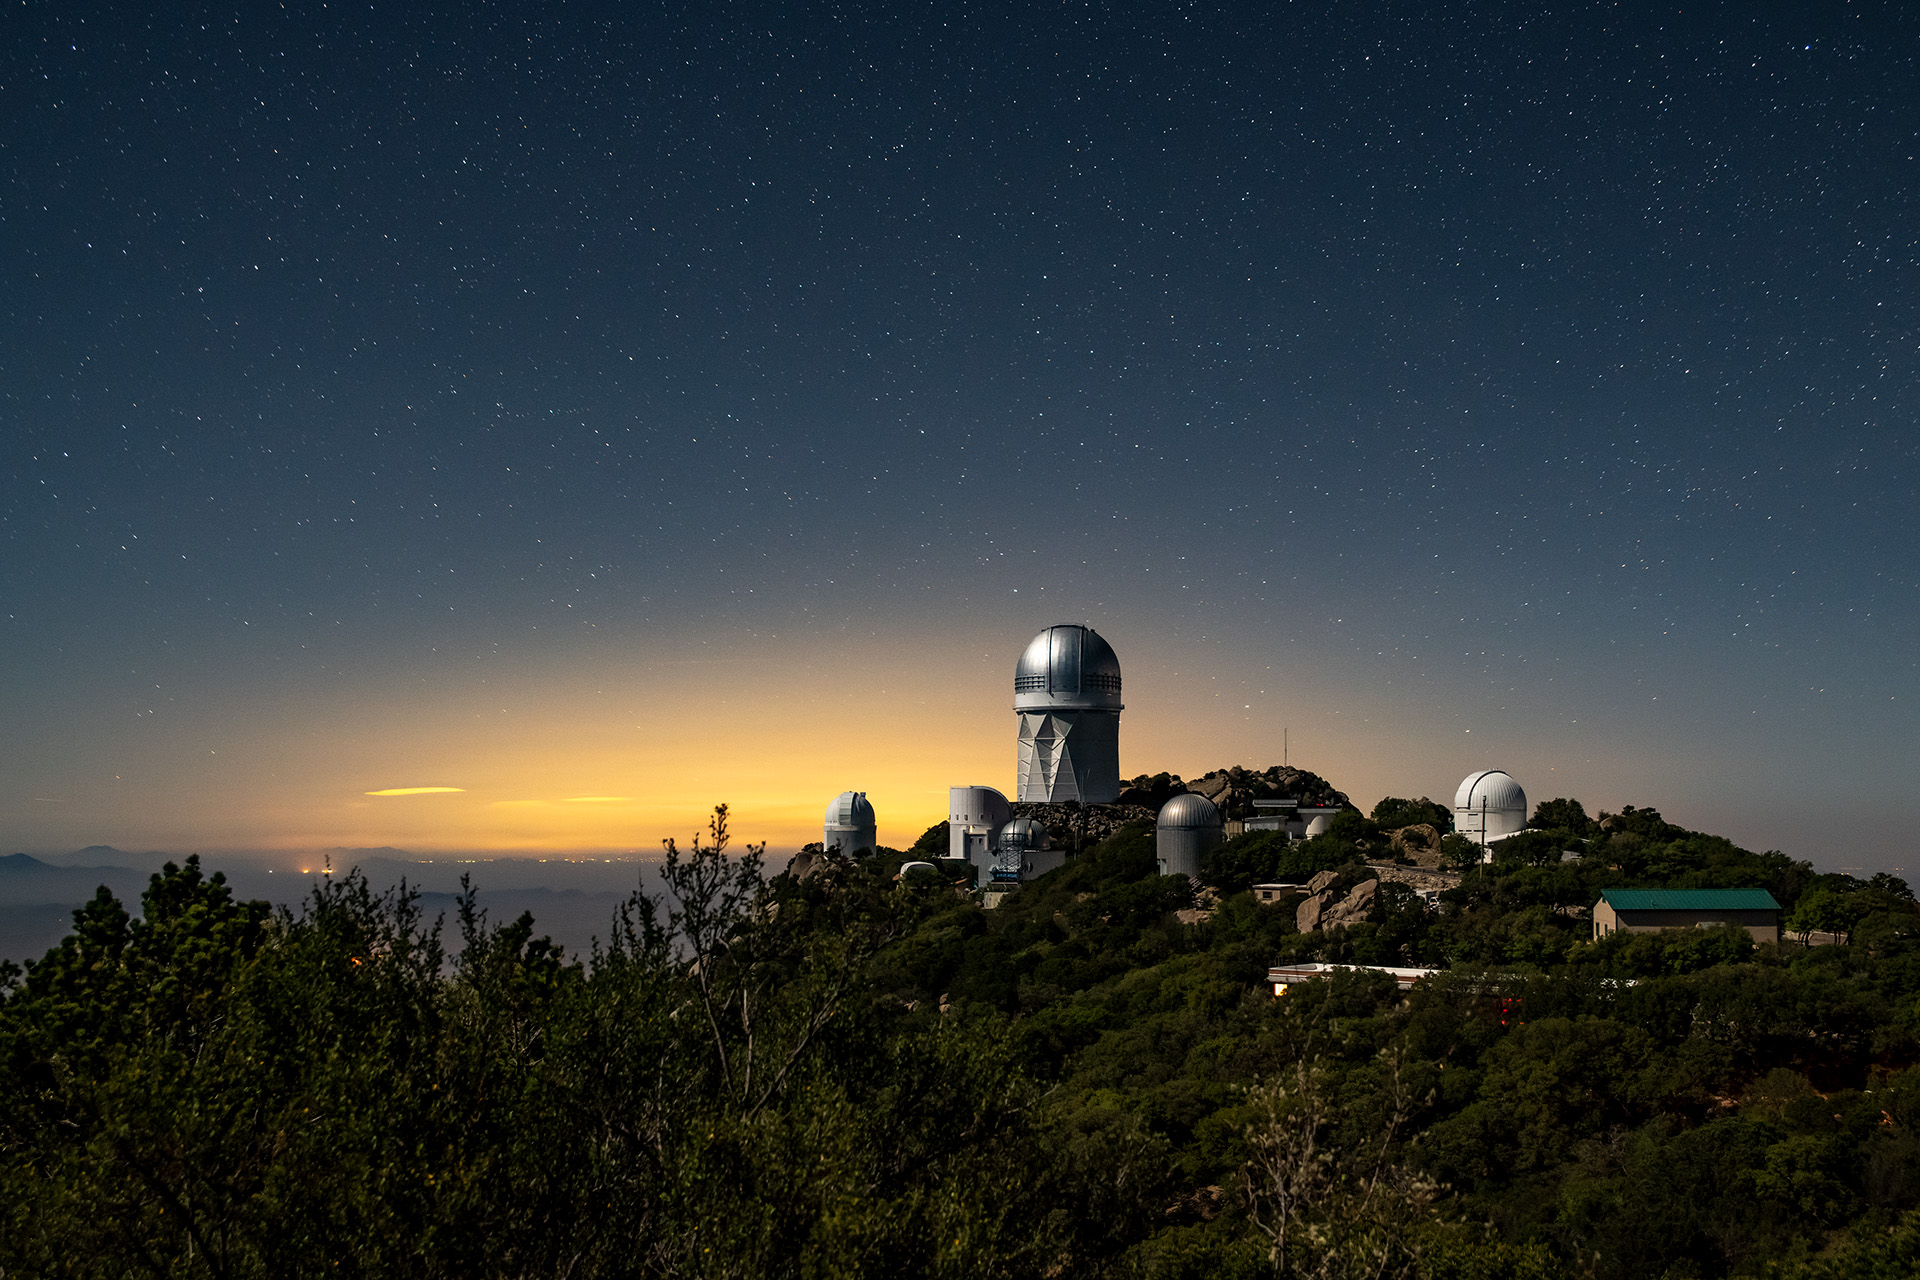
854	1074
1393	811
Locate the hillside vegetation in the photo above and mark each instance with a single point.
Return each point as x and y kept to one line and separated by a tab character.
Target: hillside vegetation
856	1074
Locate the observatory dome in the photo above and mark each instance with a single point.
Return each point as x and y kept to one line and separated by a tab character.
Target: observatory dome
850	809
1023	835
850	824
1189	812
1489	805
1067	667
1188	829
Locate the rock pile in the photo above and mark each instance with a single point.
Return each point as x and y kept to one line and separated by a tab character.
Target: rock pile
1205	903
1420	843
1233	791
816	860
1321	912
1073	826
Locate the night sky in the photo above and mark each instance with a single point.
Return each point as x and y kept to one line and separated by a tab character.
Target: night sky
609	410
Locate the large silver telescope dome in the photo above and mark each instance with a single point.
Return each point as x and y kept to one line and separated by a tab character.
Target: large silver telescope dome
1190	811
1068	667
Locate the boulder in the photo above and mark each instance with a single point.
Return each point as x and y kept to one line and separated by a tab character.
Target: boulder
1321	881
1353	908
807	861
1306	918
1213	786
1421	843
1322	912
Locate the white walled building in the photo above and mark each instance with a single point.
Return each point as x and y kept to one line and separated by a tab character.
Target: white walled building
974	818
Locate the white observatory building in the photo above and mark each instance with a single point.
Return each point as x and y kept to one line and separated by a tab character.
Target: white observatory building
1066	691
974	818
850	825
1489	806
1188	829
1004	849
1023	853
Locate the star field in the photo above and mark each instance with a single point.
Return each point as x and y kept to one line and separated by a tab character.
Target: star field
1389	374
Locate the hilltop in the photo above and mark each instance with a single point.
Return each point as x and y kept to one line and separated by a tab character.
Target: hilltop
870	1075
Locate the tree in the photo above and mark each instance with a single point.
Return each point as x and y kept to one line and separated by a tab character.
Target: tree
1830	909
1330	1208
1889	1253
1561	815
1458	853
933	844
1892	886
1529	849
1392	813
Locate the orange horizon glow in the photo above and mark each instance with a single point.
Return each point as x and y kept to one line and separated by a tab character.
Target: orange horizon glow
609	752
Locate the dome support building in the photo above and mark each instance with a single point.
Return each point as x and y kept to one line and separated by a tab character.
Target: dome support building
1066	691
974	818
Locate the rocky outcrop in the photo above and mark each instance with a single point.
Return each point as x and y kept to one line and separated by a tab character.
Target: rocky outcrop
1306	917
828	868
1416	877
1321	911
1205	903
1234	790
1075	826
807	861
1353	908
1419	843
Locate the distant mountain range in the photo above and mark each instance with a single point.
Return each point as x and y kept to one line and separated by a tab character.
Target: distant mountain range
27	881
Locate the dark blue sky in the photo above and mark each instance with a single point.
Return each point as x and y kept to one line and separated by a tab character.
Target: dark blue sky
1472	366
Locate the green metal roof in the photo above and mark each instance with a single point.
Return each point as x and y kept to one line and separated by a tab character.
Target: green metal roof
1689	899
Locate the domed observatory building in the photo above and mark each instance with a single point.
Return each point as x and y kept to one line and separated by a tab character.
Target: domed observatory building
974	818
850	825
1489	806
1066	691
1189	828
1022	844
